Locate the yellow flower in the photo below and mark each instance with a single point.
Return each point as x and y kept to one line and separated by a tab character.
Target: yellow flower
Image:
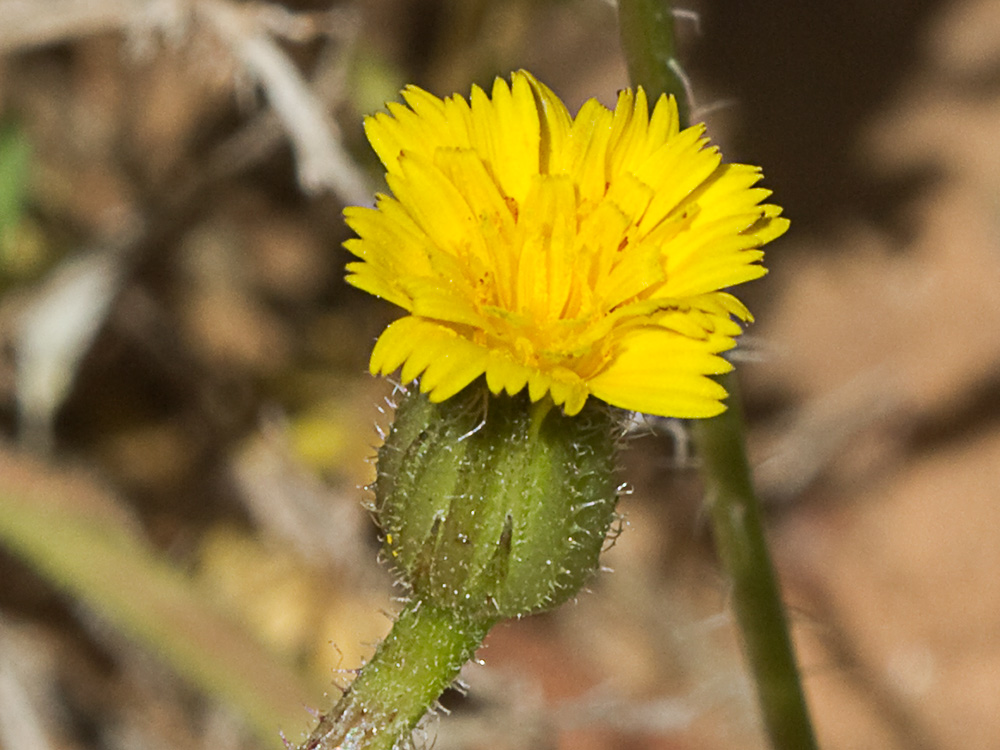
573	256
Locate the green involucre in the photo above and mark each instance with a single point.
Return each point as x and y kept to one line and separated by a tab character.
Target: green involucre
495	506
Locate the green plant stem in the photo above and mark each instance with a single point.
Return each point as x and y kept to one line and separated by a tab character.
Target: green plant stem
647	36
742	548
419	658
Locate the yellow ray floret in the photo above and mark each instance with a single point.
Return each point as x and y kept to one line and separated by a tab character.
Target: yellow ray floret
574	257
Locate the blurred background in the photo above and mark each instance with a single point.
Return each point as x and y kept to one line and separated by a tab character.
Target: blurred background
185	560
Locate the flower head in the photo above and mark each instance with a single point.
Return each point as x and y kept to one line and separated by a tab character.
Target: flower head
576	257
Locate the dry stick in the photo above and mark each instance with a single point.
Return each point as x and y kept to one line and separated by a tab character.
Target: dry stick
322	162
28	24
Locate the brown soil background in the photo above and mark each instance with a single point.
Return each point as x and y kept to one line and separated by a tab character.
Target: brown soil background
219	415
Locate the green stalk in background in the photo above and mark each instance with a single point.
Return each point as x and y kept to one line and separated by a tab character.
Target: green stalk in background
647	34
742	547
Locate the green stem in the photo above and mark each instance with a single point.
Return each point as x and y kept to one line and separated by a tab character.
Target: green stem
647	34
419	658
742	548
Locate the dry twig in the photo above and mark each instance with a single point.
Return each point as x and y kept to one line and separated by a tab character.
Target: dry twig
249	32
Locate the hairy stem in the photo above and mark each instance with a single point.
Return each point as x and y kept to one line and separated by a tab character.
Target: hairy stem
419	658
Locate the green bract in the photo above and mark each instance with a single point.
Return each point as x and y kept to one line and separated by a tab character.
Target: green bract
494	506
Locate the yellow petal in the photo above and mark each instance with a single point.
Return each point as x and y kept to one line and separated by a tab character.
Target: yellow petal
554	125
660	372
572	256
445	361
